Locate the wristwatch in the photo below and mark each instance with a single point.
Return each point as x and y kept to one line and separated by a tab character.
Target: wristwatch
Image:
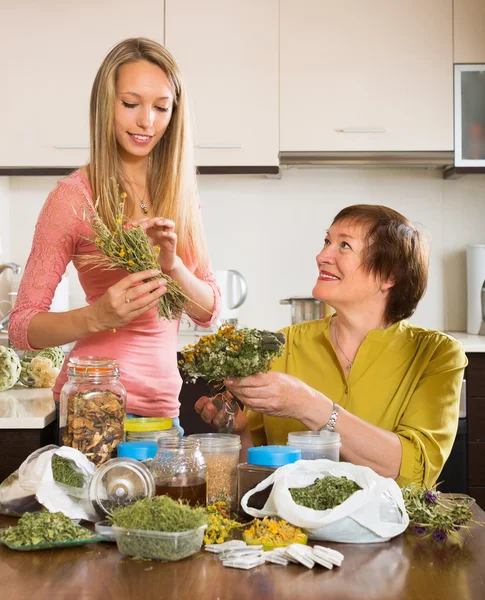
330	426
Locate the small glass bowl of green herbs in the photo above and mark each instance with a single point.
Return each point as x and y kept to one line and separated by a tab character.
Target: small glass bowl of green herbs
159	545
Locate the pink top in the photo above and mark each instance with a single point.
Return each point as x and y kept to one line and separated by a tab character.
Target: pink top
146	348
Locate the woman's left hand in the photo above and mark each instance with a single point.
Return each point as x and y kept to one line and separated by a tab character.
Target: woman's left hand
275	394
161	233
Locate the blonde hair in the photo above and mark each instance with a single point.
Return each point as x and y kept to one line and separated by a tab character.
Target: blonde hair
171	175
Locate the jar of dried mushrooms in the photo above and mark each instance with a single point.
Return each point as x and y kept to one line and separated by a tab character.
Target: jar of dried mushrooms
92	408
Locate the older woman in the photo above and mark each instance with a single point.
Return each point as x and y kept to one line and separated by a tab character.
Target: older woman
390	389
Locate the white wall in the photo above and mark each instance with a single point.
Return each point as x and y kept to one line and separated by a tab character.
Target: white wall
271	230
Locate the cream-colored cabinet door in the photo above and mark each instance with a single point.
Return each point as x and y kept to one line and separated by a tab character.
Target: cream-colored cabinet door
50	52
228	54
469	31
366	76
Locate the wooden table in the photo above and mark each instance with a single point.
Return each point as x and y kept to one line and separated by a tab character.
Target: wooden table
406	568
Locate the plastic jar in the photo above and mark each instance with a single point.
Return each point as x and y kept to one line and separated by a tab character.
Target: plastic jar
316	444
148	428
180	471
262	461
119	482
144	451
221	453
92	407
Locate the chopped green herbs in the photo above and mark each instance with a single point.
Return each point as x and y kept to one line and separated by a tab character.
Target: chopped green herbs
64	472
325	493
44	528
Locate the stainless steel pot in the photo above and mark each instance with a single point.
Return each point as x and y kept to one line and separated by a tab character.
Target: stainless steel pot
304	308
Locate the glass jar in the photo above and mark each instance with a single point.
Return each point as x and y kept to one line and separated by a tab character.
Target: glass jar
148	428
316	444
92	408
180	471
221	453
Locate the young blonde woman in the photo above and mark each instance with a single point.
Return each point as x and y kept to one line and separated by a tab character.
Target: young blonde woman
390	389
140	137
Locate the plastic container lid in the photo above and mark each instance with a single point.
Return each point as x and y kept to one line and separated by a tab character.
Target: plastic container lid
273	456
214	442
141	450
147	424
119	482
315	439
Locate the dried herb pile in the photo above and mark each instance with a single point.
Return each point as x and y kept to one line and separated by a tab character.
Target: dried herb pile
95	421
230	352
325	493
274	532
64	472
432	514
221	525
44	528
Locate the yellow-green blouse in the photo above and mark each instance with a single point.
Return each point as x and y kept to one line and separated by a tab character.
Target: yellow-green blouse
404	379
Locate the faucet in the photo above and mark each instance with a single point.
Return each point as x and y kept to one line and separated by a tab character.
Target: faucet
16	269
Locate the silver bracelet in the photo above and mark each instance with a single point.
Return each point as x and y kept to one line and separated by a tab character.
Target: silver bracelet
330	426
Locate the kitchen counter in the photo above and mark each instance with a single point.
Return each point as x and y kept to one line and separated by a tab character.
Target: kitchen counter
404	568
26	408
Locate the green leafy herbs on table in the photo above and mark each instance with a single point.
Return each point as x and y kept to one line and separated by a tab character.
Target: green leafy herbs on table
230	352
44	528
121	245
158	514
432	514
327	492
64	472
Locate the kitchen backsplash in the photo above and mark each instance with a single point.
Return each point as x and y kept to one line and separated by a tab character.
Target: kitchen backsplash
271	229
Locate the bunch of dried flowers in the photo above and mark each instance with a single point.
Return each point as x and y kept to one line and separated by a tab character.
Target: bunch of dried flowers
128	247
230	352
432	514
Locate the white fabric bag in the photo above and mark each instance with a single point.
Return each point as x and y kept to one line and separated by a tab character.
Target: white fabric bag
374	514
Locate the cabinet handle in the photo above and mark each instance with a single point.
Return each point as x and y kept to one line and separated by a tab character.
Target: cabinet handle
71	147
219	146
362	130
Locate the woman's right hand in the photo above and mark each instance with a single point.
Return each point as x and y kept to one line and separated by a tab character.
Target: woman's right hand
209	413
126	300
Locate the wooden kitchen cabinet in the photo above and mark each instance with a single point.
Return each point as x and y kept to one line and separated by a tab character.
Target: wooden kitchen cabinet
366	76
50	53
228	53
475	396
469	31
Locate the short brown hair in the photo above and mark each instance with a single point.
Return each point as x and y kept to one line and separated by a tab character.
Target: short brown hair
394	248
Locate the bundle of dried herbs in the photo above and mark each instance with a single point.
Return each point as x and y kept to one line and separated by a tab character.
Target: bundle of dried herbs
432	514
127	247
44	528
64	472
95	421
327	492
220	524
159	528
230	352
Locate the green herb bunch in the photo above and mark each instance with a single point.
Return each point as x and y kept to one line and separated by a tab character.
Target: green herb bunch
432	514
230	352
127	247
64	472
44	528
327	492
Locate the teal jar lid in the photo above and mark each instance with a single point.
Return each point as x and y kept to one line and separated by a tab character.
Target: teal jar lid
273	456
138	450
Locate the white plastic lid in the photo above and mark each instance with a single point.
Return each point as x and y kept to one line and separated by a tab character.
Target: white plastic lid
314	439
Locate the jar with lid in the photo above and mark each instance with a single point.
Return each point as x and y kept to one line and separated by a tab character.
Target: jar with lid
92	407
262	462
148	428
221	453
316	444
180	471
